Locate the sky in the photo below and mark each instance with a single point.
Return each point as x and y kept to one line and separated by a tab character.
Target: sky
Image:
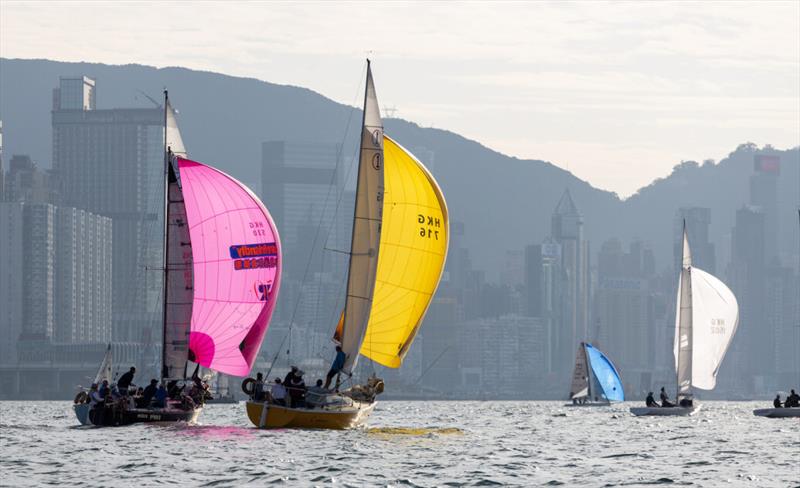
617	93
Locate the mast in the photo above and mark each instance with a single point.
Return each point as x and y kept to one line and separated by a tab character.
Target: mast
165	241
684	334
588	370
366	231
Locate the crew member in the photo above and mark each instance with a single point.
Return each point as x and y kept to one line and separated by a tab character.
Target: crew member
336	368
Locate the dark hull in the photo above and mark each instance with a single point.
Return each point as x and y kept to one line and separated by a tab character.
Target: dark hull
115	417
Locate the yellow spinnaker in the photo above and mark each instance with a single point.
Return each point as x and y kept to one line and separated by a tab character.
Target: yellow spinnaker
413	248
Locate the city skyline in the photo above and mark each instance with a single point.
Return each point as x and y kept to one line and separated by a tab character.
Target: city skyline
519	81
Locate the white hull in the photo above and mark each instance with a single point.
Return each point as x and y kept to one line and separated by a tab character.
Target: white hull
776	413
665	411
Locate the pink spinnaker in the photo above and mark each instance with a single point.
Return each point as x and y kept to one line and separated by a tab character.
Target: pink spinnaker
236	266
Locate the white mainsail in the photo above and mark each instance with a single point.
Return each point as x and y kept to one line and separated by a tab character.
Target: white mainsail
366	229
580	375
706	319
179	291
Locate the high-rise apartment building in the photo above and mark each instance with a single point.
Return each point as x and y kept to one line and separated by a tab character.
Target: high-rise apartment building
11	282
109	162
567	231
83	277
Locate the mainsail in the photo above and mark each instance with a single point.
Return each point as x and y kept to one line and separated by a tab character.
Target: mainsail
178	259
236	268
366	230
580	375
707	317
605	374
413	250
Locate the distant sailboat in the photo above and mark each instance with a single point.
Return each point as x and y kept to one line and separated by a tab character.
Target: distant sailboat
397	255
595	380
706	319
221	270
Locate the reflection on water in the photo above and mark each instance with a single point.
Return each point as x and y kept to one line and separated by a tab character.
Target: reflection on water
409	444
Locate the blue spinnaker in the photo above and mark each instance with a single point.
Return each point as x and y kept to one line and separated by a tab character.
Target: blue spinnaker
606	374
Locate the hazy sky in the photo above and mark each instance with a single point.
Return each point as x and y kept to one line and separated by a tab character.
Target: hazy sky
617	93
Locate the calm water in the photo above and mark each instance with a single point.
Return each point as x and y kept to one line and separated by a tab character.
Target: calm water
409	444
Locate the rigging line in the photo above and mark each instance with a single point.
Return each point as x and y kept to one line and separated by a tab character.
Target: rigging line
432	364
319	226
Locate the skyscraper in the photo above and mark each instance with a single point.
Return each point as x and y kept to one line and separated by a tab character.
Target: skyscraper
697	220
301	184
746	275
567	231
764	195
110	163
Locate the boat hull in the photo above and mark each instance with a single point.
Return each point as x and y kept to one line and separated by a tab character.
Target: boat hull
665	411
777	413
108	418
337	418
598	404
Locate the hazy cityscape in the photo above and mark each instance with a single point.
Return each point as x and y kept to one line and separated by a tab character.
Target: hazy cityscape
535	266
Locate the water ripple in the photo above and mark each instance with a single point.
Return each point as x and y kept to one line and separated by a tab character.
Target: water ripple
407	444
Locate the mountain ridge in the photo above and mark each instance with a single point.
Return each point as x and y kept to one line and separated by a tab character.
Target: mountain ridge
505	202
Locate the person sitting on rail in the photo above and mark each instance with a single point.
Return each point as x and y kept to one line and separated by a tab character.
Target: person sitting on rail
665	399
297	390
776	403
650	401
278	393
259	393
315	396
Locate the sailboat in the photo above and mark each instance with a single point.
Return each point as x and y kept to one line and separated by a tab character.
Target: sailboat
595	380
221	265
397	254
706	319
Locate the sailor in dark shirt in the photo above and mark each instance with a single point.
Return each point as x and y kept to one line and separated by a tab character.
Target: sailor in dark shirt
148	394
125	381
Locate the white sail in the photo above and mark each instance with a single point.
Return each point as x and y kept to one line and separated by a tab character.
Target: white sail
580	375
104	371
706	319
714	320
174	140
366	229
683	322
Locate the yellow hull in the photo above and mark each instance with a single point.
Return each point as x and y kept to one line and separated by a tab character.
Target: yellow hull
277	417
